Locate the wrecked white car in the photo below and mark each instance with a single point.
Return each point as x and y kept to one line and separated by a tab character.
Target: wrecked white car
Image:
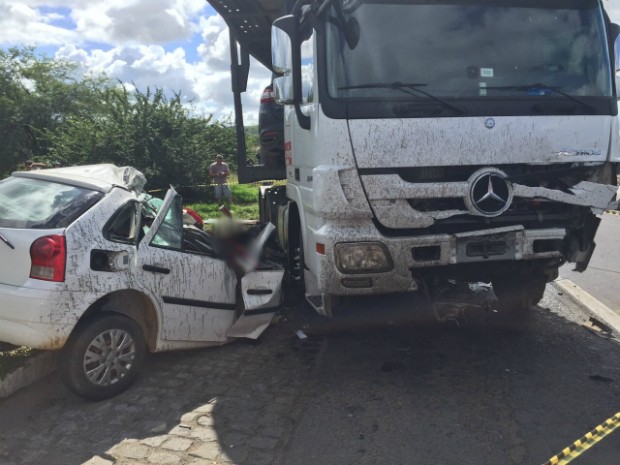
88	266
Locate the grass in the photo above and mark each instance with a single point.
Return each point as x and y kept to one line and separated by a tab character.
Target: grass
244	206
211	210
10	360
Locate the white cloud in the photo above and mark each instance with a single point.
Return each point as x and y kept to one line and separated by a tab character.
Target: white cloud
125	39
24	24
214	48
208	89
134	22
152	21
115	22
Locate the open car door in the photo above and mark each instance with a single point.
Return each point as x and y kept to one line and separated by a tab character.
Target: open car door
261	288
196	292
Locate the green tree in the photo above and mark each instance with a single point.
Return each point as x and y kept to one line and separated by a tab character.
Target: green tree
36	95
50	112
146	130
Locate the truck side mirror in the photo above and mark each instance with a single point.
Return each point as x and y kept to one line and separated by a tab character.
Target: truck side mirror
286	60
282	44
283	87
282	58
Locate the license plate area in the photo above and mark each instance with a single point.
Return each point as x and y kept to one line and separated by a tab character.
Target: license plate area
500	246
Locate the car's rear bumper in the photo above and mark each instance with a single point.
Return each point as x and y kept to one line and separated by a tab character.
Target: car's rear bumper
41	319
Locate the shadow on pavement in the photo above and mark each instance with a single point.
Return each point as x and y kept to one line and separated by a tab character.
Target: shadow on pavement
393	387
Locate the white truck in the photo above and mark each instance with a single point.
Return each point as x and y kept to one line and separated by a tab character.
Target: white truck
425	140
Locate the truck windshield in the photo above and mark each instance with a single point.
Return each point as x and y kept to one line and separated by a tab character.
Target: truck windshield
467	49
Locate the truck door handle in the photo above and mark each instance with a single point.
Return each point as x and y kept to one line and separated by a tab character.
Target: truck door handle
156	269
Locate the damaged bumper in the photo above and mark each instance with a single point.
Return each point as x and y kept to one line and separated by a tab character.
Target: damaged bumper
486	216
434	250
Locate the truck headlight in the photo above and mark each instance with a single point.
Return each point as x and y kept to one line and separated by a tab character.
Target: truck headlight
363	257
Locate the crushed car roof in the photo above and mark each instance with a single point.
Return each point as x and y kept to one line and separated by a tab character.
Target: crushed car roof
101	177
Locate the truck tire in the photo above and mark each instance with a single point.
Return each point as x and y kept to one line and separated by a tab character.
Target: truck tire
102	356
521	291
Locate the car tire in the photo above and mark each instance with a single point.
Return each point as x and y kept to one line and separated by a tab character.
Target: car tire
102	356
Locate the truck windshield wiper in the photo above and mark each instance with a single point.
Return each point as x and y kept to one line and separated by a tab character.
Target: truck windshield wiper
543	87
408	88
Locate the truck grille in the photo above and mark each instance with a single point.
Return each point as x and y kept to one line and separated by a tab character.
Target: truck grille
411	201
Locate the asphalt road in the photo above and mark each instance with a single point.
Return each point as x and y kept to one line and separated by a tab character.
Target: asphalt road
390	388
495	391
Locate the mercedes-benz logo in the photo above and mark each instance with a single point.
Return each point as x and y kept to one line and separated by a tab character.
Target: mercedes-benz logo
489	123
490	192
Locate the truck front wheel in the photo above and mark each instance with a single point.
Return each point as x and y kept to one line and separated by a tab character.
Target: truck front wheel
521	290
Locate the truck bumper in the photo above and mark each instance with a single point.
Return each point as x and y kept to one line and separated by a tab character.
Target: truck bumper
416	253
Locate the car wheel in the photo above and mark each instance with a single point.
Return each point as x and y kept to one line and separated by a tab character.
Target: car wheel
102	357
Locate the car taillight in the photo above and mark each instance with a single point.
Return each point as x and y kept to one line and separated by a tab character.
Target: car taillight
48	256
268	96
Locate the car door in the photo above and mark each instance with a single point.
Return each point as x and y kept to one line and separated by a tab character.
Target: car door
261	292
261	287
196	293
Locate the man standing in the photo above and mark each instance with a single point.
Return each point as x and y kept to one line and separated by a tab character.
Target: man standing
219	172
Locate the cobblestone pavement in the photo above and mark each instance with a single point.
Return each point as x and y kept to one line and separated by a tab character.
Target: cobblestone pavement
353	393
231	404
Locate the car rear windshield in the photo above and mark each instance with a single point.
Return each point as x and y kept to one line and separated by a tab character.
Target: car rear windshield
38	204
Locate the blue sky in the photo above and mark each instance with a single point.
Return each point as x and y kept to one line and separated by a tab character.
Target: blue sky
178	45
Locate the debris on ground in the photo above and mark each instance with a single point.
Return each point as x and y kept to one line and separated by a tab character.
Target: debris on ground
597	327
451	300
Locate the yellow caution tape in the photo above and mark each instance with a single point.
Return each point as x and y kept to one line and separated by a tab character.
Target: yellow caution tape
213	185
581	445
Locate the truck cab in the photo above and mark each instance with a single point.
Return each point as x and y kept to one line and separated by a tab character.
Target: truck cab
468	140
